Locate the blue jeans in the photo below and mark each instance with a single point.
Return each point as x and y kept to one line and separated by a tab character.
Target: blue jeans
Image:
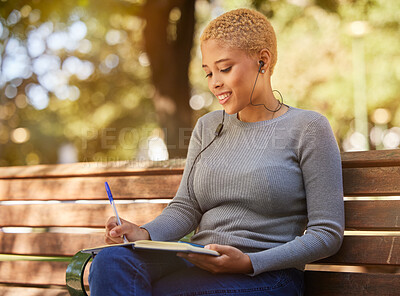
124	271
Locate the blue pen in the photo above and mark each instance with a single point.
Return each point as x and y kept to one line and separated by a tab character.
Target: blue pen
110	197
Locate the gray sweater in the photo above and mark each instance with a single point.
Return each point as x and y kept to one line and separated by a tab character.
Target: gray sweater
272	189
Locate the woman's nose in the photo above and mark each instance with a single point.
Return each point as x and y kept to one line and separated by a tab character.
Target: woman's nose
217	83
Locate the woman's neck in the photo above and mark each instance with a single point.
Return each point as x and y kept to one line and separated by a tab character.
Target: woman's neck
262	108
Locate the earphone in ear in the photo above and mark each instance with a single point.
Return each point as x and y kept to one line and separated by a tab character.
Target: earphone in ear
261	65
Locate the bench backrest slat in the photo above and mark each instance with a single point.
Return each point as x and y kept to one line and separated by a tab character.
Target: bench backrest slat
49	244
89	188
371	181
357	250
358	214
75	215
94	169
373	158
385	213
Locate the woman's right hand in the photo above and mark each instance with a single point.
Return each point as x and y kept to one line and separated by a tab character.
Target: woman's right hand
114	232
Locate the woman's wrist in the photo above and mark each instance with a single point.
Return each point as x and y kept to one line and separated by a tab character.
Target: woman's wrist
248	265
144	234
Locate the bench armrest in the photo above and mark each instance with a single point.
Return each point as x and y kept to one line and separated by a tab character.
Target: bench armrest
74	275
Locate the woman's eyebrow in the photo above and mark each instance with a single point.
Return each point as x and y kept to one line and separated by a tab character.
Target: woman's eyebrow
222	60
219	61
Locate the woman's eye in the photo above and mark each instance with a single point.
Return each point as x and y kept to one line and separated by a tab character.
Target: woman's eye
226	69
208	75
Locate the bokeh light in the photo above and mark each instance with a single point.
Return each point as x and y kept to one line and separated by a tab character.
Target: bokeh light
16	62
32	158
144	60
20	135
10	91
114	37
38	96
381	116
391	139
201	101
111	61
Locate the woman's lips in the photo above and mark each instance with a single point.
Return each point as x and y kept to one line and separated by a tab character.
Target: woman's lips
223	98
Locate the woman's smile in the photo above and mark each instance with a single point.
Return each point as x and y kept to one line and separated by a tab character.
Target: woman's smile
224	97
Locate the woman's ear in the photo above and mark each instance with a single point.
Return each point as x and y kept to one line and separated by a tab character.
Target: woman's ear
265	56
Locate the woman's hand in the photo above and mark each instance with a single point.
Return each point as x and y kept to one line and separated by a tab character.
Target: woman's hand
232	260
114	232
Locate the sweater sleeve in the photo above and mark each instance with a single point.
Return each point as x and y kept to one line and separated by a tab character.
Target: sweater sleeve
183	213
320	163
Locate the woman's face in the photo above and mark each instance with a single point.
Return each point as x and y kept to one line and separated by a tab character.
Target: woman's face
230	73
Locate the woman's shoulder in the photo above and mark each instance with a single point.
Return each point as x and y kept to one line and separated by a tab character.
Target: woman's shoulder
304	113
305	117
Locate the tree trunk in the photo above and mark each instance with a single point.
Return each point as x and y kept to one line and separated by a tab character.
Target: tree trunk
168	43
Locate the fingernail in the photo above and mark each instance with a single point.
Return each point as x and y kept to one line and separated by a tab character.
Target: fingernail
113	233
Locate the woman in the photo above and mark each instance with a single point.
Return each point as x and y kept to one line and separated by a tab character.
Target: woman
265	191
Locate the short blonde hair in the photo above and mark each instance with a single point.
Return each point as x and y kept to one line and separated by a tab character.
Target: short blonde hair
245	29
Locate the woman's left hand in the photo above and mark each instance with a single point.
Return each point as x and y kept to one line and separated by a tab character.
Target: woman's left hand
232	260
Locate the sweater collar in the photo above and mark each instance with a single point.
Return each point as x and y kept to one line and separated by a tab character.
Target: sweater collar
234	120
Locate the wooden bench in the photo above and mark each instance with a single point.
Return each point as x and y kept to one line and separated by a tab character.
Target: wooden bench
65	207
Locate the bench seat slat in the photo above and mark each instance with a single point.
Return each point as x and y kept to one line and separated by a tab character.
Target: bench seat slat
131	187
385	212
33	272
75	215
371	181
351	284
381	250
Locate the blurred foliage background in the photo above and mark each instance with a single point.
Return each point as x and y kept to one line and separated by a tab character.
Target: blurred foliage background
107	80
